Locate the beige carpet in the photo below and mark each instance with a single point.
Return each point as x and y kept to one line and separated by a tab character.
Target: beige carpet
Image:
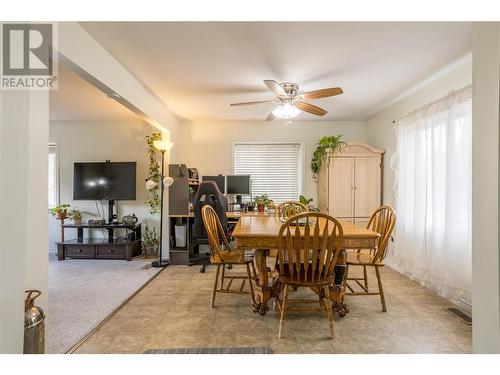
83	292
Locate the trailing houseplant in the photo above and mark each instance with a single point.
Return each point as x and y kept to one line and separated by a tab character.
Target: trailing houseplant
153	174
331	143
60	211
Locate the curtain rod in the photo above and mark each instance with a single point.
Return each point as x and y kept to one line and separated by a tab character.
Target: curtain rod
452	92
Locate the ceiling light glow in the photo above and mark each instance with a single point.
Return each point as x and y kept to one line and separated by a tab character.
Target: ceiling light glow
286	110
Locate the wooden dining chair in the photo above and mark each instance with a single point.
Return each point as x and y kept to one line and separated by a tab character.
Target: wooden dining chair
290	208
222	255
308	249
382	221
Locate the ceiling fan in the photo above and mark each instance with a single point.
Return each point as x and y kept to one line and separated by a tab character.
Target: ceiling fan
290	103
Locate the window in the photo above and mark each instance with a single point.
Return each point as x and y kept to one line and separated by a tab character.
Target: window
52	176
275	168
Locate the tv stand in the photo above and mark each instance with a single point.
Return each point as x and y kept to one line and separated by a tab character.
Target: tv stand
101	248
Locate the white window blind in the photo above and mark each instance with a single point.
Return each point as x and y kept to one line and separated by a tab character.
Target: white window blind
52	176
274	168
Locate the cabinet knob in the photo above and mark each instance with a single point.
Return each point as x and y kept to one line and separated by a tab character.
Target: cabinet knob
79	250
110	250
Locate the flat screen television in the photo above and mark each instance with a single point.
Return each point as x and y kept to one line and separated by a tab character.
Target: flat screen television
238	184
220	180
104	180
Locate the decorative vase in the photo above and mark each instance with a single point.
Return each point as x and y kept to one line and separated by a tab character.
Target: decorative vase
261	207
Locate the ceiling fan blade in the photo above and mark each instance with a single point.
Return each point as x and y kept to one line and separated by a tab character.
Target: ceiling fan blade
306	107
257	102
270	117
323	93
275	87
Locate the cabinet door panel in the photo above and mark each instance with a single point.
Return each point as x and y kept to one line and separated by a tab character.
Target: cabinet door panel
367	186
341	183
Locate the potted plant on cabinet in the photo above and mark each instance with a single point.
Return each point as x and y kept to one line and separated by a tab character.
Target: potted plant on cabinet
326	144
263	201
75	216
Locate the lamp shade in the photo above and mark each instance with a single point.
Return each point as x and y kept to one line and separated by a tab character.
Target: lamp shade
150	184
162	145
168	181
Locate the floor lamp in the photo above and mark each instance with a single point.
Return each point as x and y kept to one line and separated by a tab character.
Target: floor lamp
165	181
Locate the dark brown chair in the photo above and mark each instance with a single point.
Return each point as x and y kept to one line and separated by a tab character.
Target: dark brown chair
382	221
222	255
308	249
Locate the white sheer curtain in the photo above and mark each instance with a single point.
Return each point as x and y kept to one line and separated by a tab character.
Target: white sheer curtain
432	166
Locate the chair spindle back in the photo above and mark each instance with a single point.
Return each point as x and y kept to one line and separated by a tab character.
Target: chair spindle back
382	221
289	209
308	253
215	232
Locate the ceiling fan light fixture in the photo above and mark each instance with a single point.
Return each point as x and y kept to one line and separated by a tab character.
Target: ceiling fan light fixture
286	110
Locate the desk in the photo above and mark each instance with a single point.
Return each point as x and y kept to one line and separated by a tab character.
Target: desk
261	233
230	214
189	254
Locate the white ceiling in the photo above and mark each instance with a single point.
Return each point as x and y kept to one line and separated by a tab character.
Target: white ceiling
77	100
198	69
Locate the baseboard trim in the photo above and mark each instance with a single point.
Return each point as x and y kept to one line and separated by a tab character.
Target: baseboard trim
113	313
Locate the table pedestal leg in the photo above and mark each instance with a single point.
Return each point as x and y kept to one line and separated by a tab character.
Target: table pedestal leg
263	291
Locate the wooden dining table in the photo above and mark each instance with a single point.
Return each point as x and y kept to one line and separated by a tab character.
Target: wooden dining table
260	234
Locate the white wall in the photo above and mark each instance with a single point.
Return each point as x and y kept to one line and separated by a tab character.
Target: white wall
379	128
485	190
207	145
100	141
23	203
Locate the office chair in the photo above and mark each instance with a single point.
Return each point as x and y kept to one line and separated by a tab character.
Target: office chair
208	193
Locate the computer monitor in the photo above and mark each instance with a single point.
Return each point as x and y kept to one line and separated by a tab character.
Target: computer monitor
220	180
239	185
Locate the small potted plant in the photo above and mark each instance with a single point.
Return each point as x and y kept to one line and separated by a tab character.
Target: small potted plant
60	212
75	216
262	202
307	202
150	242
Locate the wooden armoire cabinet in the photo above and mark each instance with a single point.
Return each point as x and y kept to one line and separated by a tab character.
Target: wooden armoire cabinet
350	183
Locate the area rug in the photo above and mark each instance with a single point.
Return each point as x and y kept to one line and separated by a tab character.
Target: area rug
230	350
83	292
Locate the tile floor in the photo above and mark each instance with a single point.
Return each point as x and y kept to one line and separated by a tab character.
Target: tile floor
173	312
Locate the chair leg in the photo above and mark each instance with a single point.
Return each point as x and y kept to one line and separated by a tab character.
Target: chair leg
250	283
329	309
212	300
283	311
223	274
365	276
380	289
